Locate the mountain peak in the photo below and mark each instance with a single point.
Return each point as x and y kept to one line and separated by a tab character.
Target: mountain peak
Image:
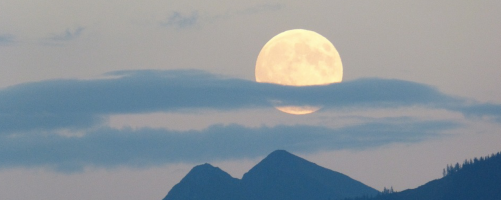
281	175
204	182
280	154
204	167
281	158
280	151
205	172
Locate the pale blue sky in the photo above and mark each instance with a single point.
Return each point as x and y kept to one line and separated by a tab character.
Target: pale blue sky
134	94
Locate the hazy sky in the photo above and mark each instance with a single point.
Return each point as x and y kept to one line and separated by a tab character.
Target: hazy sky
120	99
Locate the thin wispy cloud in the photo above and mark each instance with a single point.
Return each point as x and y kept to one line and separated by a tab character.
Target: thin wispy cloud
67	35
108	147
6	39
180	20
78	104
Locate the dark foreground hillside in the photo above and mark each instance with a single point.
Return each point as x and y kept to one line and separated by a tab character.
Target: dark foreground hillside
477	179
280	176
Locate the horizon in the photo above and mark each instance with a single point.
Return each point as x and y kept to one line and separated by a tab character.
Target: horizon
120	99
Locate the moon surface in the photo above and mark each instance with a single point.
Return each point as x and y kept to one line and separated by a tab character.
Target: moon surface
299	57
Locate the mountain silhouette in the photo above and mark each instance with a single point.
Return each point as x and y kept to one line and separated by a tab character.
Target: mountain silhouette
474	179
205	182
283	175
279	176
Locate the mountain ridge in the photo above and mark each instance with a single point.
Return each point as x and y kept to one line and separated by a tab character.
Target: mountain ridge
281	165
474	179
205	181
280	175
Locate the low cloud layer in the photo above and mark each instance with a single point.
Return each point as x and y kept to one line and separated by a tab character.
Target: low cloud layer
78	104
107	147
32	116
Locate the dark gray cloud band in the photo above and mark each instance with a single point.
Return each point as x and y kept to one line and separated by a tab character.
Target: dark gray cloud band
32	113
77	104
107	147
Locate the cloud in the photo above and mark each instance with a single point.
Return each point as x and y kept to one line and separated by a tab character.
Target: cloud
32	116
77	104
69	34
481	110
178	20
6	39
182	20
107	147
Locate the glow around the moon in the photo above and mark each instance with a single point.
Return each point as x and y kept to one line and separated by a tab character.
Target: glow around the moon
299	58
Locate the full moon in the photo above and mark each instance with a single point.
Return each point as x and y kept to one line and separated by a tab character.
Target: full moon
299	58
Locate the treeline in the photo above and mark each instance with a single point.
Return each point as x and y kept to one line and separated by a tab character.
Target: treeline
386	191
478	178
451	169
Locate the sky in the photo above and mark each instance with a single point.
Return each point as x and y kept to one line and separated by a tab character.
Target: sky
120	99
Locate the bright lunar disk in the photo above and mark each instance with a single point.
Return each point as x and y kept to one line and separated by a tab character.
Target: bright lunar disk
299	58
